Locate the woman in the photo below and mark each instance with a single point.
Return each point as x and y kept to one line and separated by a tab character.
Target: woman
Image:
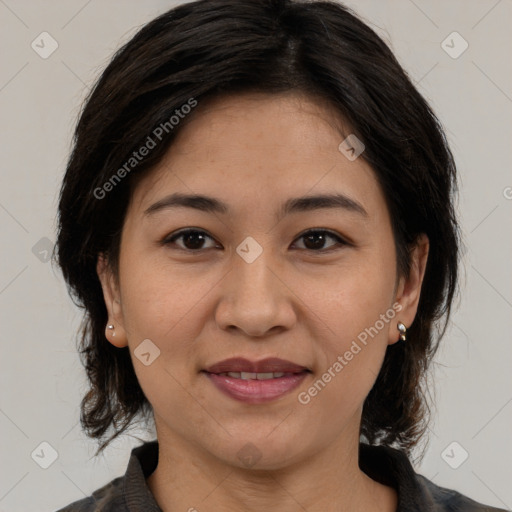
283	355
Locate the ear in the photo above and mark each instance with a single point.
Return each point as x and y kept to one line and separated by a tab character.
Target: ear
117	335
409	288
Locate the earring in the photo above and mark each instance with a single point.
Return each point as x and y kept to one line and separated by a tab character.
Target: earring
110	327
403	331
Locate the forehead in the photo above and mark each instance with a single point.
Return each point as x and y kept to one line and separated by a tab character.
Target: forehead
252	122
255	144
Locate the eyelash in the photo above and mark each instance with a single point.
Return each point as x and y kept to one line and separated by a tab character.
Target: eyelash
341	242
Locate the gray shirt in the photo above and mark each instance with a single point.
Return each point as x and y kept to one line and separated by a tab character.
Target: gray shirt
130	493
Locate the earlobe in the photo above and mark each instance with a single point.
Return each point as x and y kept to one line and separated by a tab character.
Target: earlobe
112	336
114	330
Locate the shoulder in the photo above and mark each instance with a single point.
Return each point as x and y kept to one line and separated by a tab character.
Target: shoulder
448	500
108	498
416	493
126	492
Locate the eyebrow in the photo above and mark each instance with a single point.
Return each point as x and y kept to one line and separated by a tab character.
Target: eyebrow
293	205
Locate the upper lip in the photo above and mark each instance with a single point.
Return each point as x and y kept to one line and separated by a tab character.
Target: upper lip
240	364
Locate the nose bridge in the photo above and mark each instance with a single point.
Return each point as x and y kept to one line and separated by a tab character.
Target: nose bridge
254	299
251	275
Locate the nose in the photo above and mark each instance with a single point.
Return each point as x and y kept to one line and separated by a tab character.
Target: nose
256	299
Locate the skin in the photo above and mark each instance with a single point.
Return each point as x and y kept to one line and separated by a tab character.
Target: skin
295	301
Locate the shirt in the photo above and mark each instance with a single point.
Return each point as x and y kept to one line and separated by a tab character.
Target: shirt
389	466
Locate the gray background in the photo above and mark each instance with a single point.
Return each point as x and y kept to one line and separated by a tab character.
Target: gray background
42	381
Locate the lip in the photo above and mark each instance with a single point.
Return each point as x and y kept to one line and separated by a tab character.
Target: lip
254	391
270	364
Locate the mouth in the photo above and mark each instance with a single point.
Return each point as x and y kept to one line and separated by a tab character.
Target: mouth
255	375
268	365
256	382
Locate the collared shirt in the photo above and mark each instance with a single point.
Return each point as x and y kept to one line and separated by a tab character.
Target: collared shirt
130	492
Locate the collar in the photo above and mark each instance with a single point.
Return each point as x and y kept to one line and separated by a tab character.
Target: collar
392	467
381	463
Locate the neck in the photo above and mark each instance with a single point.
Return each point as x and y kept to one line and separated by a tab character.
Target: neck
328	481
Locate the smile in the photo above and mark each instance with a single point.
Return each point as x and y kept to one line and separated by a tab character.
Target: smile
257	376
256	388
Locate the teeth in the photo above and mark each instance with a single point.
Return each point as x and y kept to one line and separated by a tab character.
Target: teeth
264	376
254	376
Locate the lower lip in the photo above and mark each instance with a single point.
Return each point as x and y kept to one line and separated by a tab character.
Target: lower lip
254	391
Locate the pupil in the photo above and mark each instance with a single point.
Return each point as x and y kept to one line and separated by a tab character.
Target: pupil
192	235
319	238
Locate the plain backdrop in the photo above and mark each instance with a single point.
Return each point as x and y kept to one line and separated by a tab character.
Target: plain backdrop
42	380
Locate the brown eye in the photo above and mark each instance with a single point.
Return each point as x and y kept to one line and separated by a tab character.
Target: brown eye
192	239
314	240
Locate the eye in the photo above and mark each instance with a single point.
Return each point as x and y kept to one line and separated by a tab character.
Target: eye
193	239
316	238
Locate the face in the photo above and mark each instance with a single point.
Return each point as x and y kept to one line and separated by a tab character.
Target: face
256	274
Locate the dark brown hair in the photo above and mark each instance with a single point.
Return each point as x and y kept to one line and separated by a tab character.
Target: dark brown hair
214	48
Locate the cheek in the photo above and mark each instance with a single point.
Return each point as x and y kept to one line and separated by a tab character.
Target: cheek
354	297
162	306
160	297
350	357
357	339
355	312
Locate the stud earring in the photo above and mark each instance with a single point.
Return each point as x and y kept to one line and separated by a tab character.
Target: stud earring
403	331
110	327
